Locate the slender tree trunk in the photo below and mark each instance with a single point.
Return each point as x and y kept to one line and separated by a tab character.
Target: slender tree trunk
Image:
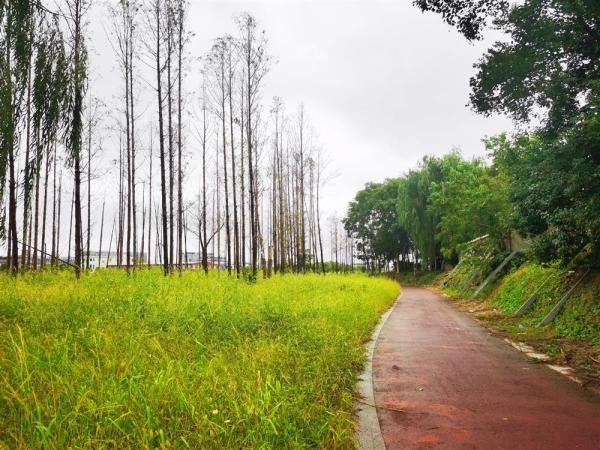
204	232
319	220
128	251
179	143
169	38
141	253
275	208
274	211
71	226
282	256
163	180
76	134
12	209
27	185
89	193
29	239
112	231
218	186
53	255
38	164
150	203
253	213
128	157
101	233
213	227
236	241
45	208
13	252
226	181
58	216
120	225
242	188
132	119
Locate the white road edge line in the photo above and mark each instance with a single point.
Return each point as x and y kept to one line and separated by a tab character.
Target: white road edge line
368	431
567	371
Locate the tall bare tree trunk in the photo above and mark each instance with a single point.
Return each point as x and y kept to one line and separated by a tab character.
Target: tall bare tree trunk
218	185
120	224
204	232
242	188
58	216
301	199
128	150
236	247
9	142
150	203
27	185
38	168
319	218
225	181
71	226
112	231
140	255
54	205
253	213
89	192
169	38
45	209
132	119
76	131
165	258
101	234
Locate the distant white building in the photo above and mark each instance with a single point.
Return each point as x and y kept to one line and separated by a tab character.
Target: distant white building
101	260
194	260
190	259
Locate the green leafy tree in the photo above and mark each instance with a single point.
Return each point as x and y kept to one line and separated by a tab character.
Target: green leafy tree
469	202
414	213
16	22
547	73
549	70
555	189
469	17
372	220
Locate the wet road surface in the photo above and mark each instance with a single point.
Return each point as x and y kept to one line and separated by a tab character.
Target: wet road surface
460	388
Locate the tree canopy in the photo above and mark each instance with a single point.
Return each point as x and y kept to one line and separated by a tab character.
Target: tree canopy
427	214
545	74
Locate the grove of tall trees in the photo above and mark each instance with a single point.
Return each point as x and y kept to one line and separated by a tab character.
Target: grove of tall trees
215	163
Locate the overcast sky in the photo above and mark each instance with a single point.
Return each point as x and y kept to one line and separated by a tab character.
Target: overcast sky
382	83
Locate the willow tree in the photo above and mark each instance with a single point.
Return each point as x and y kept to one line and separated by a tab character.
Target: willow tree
33	78
16	20
49	97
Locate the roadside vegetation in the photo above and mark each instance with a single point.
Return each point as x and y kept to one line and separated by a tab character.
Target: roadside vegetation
542	182
114	360
572	338
534	202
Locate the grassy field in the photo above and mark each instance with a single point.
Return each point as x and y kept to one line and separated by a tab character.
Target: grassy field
183	362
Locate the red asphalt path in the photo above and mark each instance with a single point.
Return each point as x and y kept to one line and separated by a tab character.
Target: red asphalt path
462	388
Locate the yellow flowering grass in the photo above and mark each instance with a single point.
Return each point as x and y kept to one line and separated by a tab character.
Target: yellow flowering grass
144	361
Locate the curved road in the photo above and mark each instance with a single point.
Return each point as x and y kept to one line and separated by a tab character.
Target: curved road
460	388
